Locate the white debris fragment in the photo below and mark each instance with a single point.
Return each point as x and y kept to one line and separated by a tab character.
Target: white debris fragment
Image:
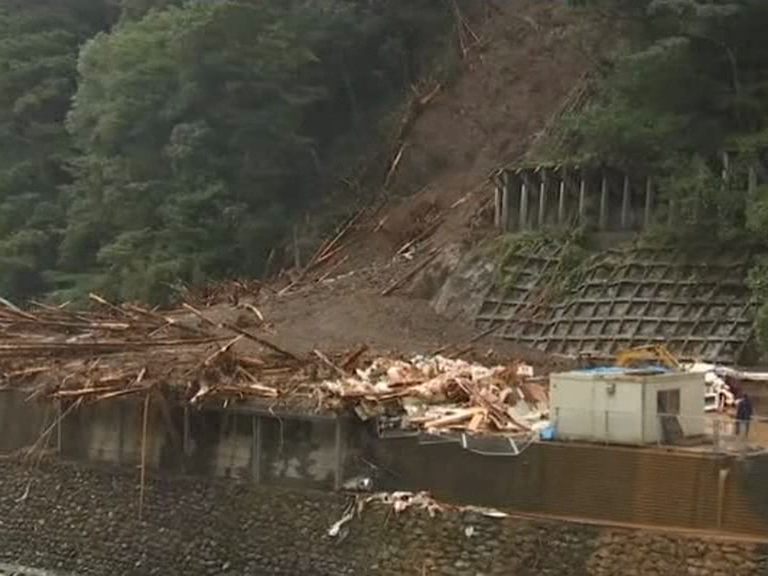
717	392
401	501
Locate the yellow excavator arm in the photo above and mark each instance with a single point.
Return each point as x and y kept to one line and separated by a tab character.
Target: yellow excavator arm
658	354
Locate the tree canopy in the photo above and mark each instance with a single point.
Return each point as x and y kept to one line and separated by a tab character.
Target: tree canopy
690	82
151	142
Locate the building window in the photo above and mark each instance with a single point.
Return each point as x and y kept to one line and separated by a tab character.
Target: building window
668	402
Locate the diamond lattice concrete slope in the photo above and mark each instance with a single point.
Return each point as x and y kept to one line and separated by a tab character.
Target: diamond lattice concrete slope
699	308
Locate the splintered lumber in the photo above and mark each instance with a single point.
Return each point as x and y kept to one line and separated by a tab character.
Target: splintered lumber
255	310
199	314
35	370
113	307
248	390
410	274
262	341
452	419
223	350
119	393
333	268
104	347
349	364
14	311
163	321
59	311
393	166
327	361
497	412
248	361
327	256
328	247
110	326
429	230
462	351
477	421
43	438
327	250
83	392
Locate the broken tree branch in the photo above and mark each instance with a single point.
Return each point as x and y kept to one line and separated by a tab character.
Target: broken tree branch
415	270
262	341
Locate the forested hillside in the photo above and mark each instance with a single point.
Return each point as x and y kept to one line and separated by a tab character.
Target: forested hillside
150	143
690	82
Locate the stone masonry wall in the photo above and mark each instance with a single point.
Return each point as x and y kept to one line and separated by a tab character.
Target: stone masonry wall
72	519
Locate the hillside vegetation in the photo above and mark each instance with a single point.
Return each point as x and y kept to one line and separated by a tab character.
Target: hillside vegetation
690	82
151	144
156	142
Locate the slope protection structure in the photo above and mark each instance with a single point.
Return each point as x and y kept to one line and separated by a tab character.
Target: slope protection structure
698	306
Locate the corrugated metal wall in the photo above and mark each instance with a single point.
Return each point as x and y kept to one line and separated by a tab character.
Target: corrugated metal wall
602	483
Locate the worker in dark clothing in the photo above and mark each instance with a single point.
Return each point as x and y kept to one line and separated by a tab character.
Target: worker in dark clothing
743	415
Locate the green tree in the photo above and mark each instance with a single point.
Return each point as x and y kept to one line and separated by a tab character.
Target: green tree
190	121
692	83
39	43
203	129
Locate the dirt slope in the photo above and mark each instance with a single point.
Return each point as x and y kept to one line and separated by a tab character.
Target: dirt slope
532	54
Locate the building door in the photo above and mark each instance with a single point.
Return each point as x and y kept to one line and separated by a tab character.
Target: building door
668	410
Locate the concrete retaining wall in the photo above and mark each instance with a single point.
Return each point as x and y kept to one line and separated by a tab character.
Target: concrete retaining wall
79	520
604	483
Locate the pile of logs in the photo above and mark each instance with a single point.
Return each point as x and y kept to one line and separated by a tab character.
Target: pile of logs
437	393
112	351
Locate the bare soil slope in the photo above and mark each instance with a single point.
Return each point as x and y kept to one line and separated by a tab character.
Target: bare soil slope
531	55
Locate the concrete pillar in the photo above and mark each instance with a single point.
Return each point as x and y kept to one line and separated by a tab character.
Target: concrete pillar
648	202
583	200
726	175
626	201
505	201
543	198
256	448
524	203
603	220
497	207
561	197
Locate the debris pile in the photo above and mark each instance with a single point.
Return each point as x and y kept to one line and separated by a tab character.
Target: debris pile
400	502
437	393
114	351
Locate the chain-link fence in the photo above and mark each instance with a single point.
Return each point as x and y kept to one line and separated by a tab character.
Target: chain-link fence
715	432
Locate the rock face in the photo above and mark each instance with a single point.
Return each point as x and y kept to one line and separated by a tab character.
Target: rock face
71	519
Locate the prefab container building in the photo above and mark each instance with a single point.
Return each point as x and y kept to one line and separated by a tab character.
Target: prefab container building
631	406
